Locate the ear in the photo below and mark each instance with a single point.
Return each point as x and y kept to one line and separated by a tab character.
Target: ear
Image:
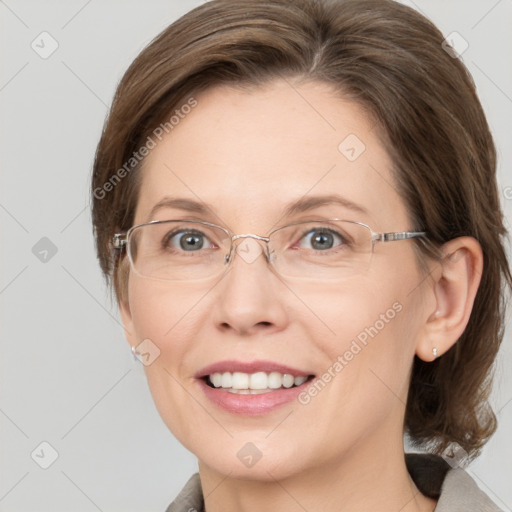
454	289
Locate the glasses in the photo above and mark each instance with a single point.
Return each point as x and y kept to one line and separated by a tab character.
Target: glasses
190	250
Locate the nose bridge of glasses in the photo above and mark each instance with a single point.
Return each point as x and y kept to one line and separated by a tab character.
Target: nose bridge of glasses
248	246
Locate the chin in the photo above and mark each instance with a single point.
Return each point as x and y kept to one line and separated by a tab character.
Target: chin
261	471
244	459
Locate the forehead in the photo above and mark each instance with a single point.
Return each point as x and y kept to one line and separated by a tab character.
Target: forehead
249	154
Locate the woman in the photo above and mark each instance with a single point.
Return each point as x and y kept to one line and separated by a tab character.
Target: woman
296	204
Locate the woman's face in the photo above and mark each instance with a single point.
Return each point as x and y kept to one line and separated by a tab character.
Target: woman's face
248	156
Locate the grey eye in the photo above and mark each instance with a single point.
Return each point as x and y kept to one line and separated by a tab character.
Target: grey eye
321	239
189	241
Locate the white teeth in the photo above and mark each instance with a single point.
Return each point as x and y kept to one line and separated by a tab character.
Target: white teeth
258	381
300	380
288	380
240	381
216	379
275	380
227	380
254	383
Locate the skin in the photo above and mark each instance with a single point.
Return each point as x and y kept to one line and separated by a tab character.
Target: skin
248	154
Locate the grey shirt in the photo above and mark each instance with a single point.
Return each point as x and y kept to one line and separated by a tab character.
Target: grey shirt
454	489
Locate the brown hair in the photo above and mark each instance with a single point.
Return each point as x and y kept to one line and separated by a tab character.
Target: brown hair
390	60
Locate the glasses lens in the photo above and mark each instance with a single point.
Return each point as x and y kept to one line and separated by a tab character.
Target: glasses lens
178	250
325	250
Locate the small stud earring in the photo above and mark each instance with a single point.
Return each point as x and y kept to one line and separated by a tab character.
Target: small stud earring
434	351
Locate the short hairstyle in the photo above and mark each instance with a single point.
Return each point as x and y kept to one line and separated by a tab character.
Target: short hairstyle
388	59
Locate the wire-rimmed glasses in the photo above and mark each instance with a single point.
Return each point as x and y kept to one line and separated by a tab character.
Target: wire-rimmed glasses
192	250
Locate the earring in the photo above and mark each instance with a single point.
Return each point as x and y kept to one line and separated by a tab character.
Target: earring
434	351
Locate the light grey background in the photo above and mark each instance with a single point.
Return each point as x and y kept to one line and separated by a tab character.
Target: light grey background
67	376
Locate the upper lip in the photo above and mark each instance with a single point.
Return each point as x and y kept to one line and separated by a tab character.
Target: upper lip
249	367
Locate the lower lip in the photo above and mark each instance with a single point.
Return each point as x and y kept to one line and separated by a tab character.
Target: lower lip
251	405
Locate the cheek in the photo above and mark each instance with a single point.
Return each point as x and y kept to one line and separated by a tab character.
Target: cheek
365	365
163	313
356	309
169	317
366	333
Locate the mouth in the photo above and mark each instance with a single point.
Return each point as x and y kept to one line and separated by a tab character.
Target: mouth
251	389
242	383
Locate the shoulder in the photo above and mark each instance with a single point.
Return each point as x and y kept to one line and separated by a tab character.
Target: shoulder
454	489
190	498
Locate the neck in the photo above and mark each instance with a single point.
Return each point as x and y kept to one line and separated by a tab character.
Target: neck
366	479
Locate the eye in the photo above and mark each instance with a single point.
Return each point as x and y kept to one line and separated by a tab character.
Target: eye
321	239
186	240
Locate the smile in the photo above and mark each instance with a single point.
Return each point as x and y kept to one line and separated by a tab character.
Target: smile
251	388
254	383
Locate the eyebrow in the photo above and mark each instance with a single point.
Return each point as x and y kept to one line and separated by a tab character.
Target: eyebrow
304	204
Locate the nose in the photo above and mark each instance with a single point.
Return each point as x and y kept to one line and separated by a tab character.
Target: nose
250	299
